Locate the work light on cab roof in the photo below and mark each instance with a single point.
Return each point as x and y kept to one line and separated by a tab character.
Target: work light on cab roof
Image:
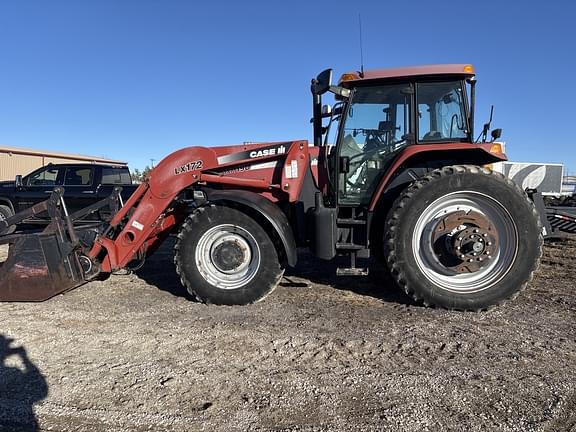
457	69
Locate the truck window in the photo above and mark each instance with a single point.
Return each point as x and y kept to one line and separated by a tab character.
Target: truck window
46	177
78	177
119	176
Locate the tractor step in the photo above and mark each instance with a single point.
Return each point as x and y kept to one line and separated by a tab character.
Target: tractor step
349	246
352	271
350	221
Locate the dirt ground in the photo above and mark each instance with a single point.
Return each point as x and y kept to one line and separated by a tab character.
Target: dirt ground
321	353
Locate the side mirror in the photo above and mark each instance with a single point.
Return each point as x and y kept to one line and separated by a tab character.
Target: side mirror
18	182
322	83
326	110
344	164
496	133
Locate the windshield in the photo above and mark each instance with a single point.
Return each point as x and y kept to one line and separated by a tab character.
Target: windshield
441	111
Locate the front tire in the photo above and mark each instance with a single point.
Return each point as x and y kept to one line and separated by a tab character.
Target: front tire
5	213
464	238
224	257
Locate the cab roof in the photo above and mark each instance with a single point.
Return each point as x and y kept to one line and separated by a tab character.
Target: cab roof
410	71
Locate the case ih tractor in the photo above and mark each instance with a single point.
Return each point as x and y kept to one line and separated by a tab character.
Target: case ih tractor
394	172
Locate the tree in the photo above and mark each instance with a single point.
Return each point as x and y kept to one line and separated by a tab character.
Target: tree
139	176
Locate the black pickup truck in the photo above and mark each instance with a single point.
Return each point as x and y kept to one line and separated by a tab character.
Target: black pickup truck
84	184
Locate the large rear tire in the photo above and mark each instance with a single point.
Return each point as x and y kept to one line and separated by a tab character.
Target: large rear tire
225	257
464	238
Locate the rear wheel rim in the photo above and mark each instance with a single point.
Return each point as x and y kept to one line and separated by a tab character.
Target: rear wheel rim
227	256
496	266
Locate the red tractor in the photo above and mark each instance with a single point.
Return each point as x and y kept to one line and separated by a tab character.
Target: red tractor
394	172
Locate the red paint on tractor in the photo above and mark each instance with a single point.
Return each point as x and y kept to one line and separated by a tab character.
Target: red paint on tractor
391	73
184	168
414	150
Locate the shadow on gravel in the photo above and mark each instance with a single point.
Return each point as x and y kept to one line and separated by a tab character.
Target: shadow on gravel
160	271
377	284
21	386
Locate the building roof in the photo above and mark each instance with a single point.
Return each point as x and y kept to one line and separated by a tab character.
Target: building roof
33	152
446	69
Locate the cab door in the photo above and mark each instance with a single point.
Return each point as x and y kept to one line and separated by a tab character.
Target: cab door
378	124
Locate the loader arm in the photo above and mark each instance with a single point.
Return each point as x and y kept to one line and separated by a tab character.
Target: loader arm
153	209
43	264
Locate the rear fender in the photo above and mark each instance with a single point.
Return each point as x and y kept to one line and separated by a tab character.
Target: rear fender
413	163
275	217
434	156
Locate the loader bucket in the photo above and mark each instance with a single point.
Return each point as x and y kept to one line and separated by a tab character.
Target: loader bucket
36	268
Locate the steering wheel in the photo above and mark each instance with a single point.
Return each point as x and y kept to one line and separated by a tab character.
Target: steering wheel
368	154
374	137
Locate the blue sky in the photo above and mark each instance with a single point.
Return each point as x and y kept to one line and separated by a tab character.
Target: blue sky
135	80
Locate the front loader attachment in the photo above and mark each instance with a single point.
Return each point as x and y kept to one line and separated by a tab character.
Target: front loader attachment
37	268
39	265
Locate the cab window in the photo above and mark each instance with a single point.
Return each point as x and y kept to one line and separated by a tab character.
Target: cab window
441	112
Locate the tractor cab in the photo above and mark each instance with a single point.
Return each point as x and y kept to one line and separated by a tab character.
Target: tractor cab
387	129
380	113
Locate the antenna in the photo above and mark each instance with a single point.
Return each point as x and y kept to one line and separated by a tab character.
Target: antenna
361	52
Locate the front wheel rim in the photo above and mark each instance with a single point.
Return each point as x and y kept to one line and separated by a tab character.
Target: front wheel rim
227	256
473	203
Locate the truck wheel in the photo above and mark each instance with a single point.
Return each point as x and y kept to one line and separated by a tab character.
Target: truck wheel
463	238
225	257
5	213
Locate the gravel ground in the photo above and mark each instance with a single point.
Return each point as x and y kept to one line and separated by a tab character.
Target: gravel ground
321	353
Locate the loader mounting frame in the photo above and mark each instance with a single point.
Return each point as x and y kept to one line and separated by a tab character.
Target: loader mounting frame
41	264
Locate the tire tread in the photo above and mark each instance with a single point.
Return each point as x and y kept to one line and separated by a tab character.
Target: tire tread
394	220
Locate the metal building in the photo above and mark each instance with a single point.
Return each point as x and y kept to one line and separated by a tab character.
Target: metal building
18	160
